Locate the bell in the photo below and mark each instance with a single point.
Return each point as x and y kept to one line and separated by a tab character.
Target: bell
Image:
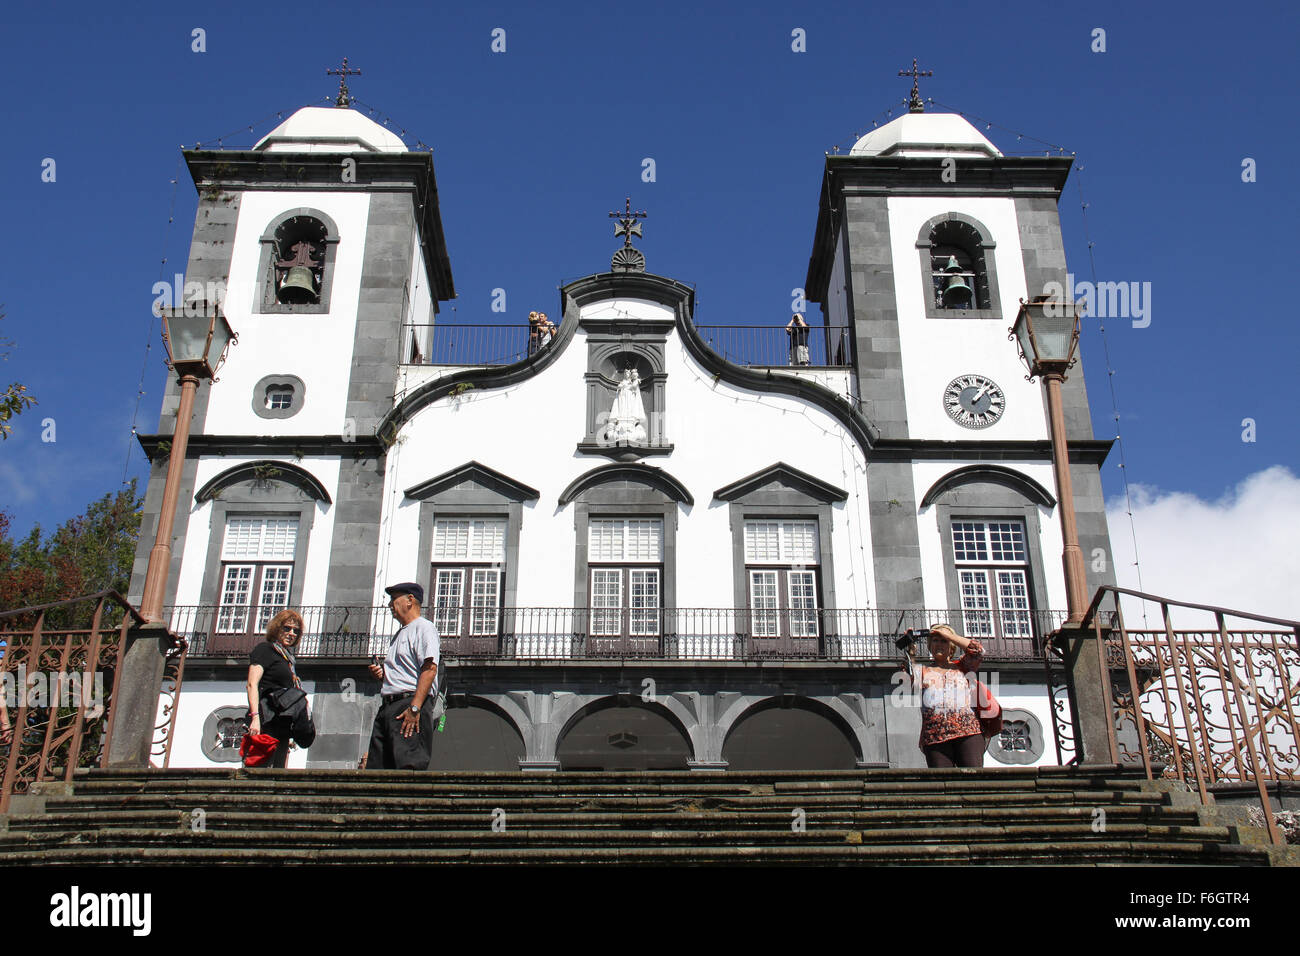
298	287
957	294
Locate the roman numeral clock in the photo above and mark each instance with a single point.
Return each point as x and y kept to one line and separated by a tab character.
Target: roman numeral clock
974	401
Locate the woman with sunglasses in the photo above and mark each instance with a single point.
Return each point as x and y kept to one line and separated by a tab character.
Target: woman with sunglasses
271	668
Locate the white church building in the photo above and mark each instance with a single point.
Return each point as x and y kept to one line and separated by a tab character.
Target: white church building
619	581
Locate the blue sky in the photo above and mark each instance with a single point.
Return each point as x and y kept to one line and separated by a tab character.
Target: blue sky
535	145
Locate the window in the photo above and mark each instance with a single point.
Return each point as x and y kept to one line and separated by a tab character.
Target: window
468	567
993	576
781	565
625	563
257	557
279	396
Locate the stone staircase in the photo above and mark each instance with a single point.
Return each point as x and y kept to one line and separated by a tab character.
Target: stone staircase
1050	815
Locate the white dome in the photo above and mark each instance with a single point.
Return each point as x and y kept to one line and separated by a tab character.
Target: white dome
330	129
925	134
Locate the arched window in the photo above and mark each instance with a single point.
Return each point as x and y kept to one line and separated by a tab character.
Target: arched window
957	268
297	264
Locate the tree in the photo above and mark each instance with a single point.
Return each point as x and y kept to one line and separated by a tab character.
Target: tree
14	399
92	552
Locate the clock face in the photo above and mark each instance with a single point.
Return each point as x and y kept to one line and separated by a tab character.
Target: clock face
974	401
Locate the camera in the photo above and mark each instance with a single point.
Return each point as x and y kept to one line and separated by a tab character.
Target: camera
911	636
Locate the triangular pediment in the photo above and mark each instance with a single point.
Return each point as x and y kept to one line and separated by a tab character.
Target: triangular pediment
471	476
781	478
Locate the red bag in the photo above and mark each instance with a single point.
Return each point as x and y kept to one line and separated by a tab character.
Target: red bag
988	711
257	749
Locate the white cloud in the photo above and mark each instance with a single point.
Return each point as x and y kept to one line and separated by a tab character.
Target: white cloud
1238	552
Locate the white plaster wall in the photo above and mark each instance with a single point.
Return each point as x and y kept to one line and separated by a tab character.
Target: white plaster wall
419	313
189	584
938	350
529	431
1030	697
1050	543
198	699
316	348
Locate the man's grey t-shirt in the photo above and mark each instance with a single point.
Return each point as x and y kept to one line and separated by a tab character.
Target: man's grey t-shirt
414	644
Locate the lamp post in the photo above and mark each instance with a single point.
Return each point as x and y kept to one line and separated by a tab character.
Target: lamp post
197	337
1047	334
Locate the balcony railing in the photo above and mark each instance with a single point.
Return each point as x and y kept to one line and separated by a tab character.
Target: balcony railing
770	346
565	634
751	345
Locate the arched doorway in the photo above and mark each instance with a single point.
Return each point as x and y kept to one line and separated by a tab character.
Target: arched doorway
805	736
608	735
477	737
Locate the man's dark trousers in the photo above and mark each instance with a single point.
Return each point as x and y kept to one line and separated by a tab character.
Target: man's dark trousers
389	750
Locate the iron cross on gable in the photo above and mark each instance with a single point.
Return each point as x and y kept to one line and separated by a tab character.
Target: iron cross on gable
343	74
915	105
628	226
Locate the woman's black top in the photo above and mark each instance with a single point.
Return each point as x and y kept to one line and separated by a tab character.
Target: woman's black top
275	669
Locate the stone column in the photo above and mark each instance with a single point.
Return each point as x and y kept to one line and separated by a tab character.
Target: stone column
1089	694
135	697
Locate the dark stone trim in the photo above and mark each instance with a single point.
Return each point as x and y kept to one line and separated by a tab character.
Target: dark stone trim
289	473
1091	451
1009	176
656	478
268	445
245	505
623	451
264	300
502	485
809	485
923	246
412	172
1022	484
777	504
269	381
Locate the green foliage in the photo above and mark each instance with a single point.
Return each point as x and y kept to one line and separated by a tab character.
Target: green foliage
14	399
92	552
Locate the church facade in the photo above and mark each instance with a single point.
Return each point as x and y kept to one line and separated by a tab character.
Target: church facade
619	581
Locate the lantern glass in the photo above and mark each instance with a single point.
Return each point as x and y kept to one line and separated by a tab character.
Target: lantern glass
1054	332
188	338
1023	336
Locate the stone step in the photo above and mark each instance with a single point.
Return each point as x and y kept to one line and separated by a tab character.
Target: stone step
173	818
332	802
265	839
1081	853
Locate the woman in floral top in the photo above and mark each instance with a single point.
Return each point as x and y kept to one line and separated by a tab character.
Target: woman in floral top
950	730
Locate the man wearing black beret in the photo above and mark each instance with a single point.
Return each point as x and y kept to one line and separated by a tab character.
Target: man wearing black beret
402	735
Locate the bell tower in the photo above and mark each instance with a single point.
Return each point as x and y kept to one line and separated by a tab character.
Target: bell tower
927	239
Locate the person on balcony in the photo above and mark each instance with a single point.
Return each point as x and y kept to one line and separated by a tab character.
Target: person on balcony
270	671
402	735
797	329
951	735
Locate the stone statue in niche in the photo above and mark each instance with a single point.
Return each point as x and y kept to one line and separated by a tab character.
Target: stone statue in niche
627	419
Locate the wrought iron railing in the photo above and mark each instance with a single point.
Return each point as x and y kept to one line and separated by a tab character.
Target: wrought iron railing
59	667
1212	705
772	346
586	633
750	345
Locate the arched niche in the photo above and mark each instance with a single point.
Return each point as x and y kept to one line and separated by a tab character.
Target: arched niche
479	735
619	733
798	733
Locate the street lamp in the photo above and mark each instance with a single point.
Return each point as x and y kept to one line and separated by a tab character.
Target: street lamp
197	337
1047	334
